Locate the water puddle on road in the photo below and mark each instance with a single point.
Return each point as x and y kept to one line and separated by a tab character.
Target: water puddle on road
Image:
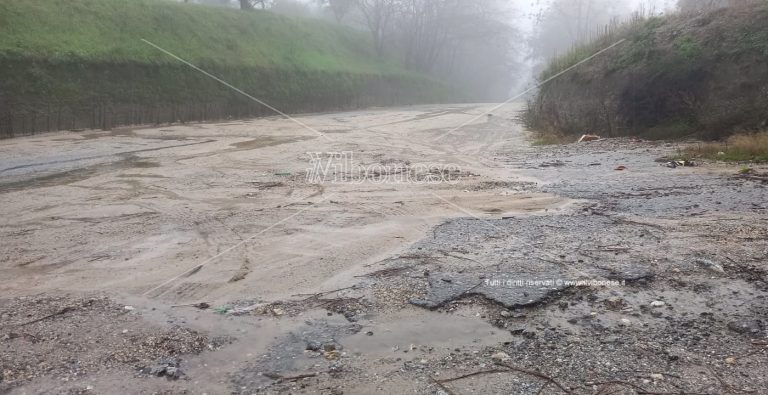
411	333
508	204
268	141
66	177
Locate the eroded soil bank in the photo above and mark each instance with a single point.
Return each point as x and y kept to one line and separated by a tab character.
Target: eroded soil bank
532	270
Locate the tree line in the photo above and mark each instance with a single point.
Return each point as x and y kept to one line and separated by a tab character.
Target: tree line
469	43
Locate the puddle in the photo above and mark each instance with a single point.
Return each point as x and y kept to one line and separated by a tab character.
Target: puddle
79	174
268	141
508	205
393	336
144	164
50	180
123	132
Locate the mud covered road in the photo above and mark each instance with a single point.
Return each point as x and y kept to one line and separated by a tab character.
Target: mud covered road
390	251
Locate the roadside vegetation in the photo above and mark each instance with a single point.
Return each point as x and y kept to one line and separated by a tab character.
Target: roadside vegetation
550	138
683	75
736	148
110	31
73	64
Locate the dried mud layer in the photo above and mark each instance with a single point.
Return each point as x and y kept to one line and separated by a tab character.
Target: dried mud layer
200	259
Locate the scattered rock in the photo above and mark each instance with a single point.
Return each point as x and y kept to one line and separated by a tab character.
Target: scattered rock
314	346
614	303
556	163
747	327
278	312
658	303
588	137
710	265
168	367
679	163
331	355
501	356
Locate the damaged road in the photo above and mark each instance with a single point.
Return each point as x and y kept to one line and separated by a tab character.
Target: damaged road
536	270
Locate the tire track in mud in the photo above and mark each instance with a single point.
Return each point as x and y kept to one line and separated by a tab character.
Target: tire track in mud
217	230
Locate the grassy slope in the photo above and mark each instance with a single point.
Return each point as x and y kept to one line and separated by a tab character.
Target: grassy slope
111	31
70	64
674	76
674	38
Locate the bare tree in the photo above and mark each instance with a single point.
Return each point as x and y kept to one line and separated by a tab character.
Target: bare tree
430	30
339	8
250	4
564	23
694	6
378	16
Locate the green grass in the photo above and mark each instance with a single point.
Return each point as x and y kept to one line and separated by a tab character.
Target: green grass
745	170
68	64
111	31
737	148
551	138
637	30
688	48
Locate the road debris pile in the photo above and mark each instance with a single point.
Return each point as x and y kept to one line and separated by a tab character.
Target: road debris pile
68	338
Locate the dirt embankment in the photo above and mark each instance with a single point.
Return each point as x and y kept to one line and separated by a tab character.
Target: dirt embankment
674	76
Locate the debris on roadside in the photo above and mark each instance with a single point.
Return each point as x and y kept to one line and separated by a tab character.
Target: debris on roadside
710	265
501	356
588	137
281	378
751	327
331	355
750	174
74	337
555	163
166	367
222	309
620	168
679	163
201	305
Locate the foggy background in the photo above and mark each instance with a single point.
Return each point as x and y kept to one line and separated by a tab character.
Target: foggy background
490	48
